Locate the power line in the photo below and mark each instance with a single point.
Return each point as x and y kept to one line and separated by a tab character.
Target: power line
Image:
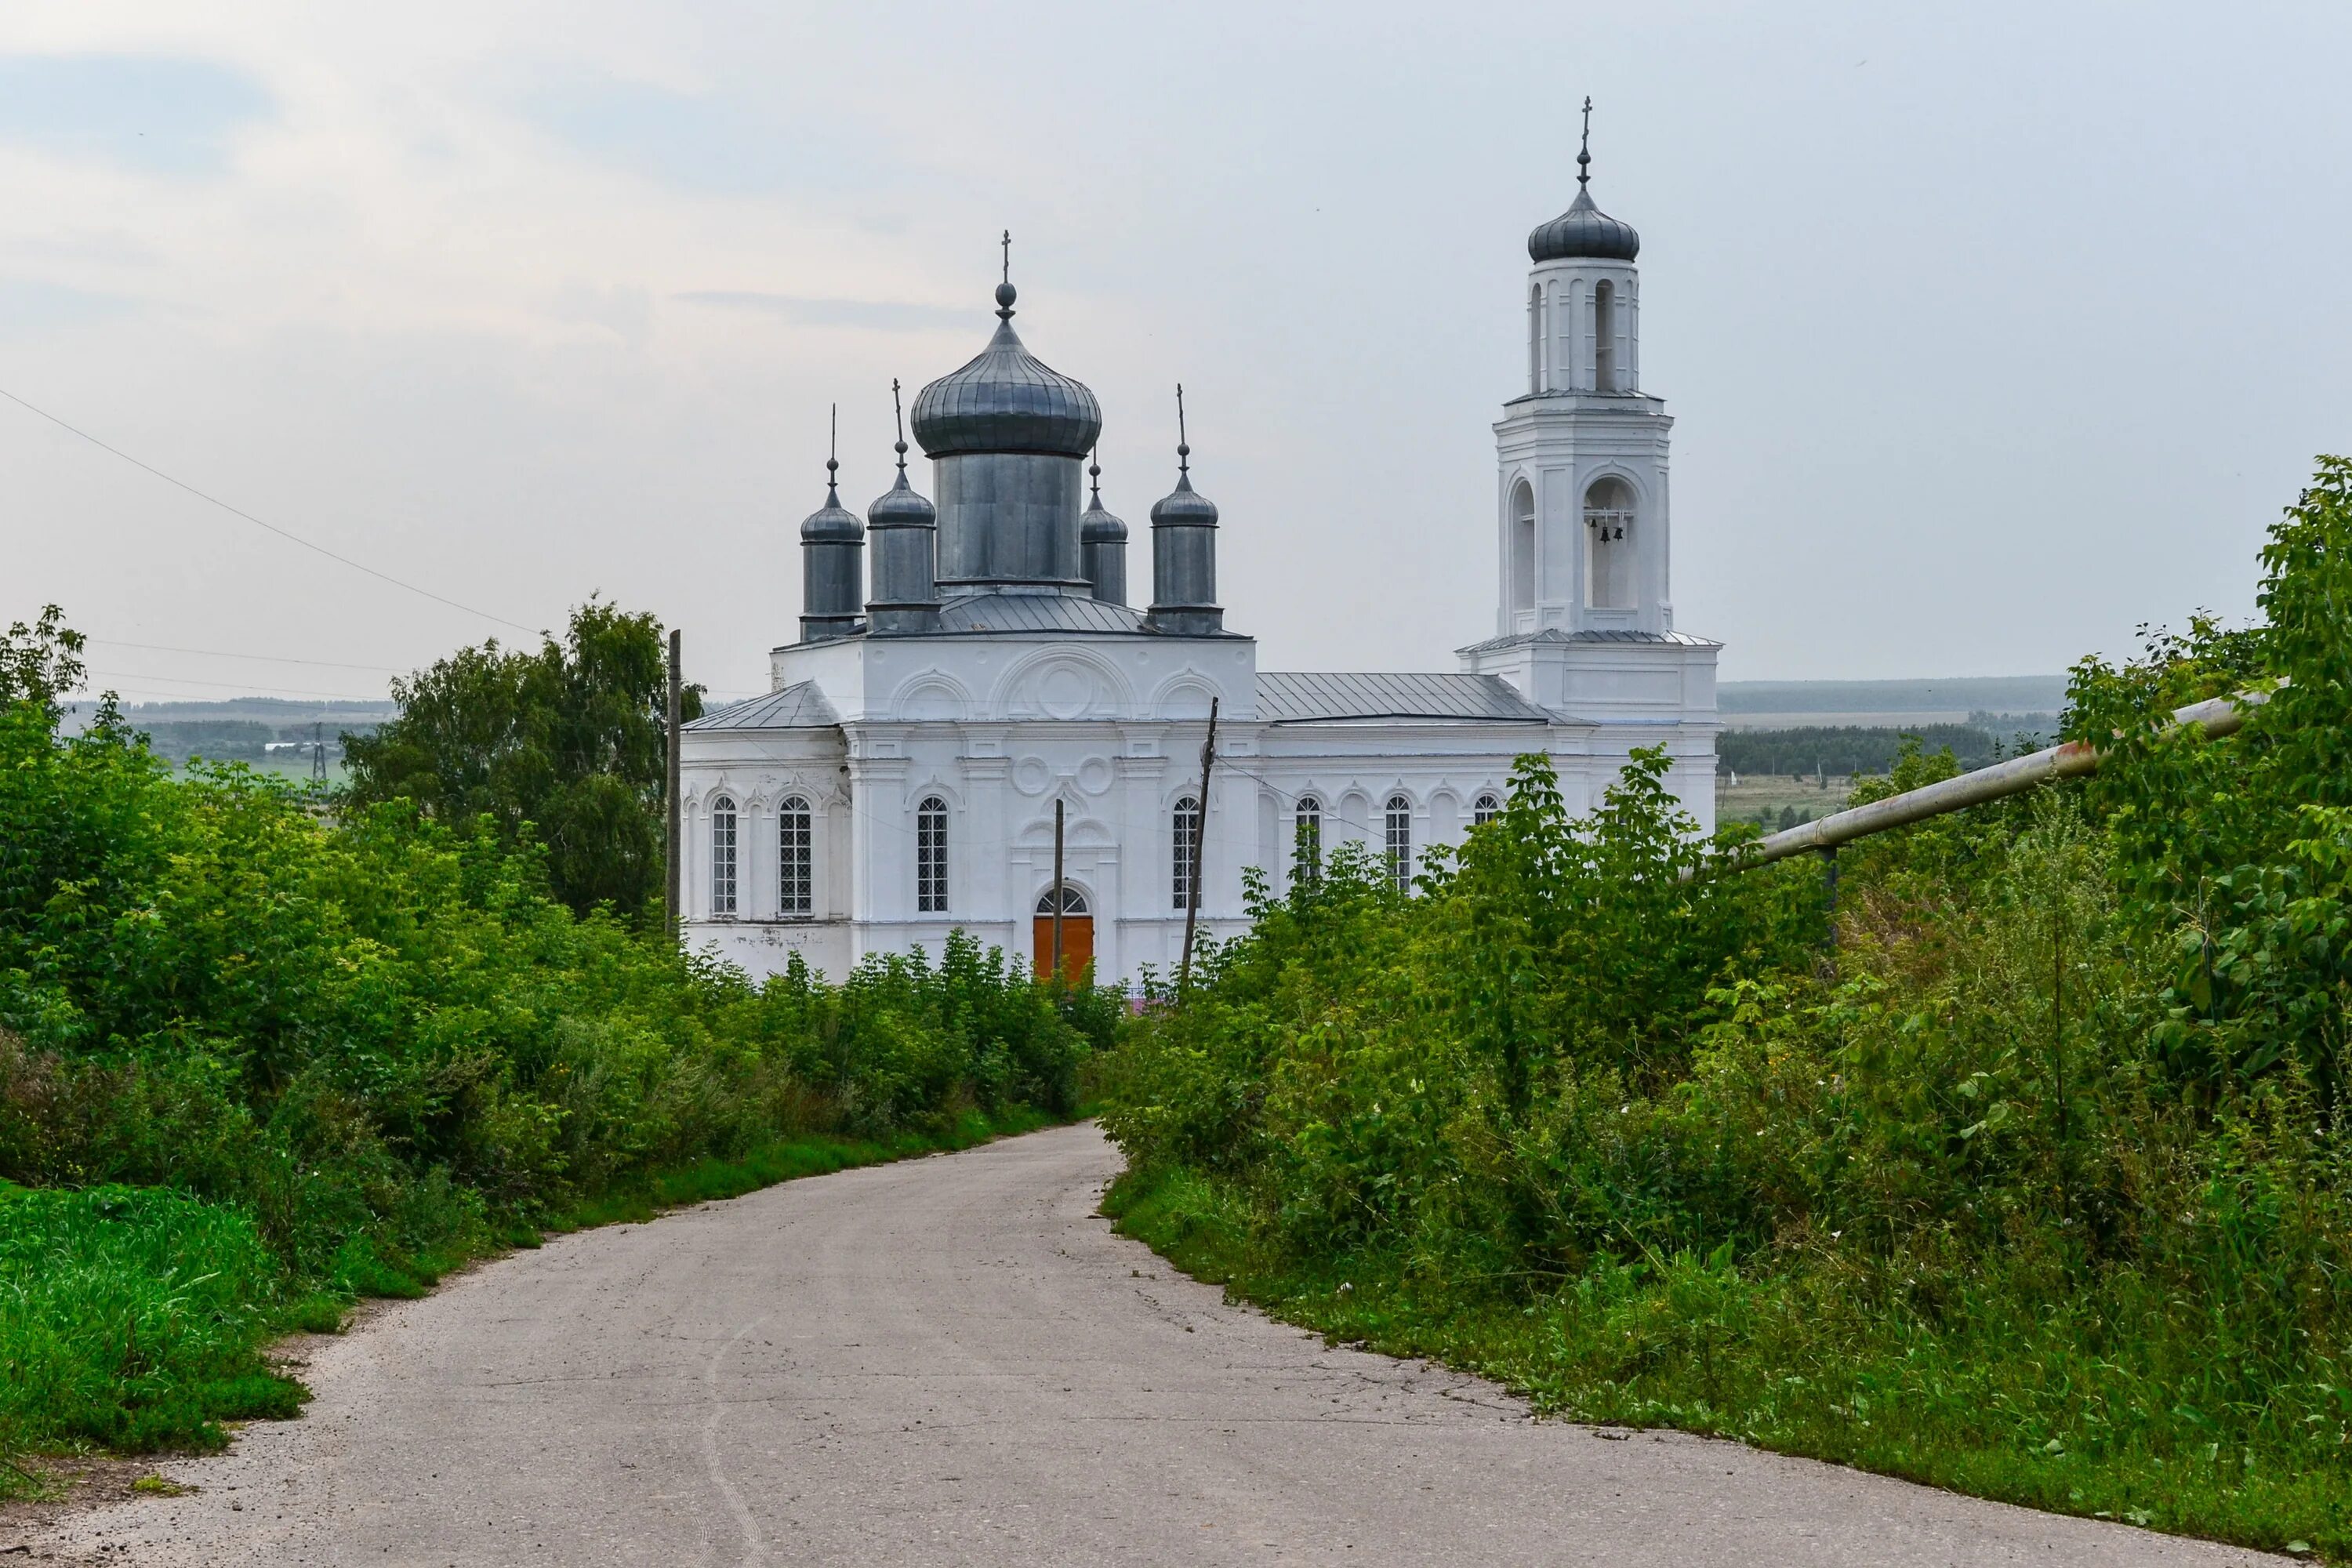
270	527
258	657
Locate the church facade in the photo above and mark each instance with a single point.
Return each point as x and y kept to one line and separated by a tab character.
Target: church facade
969	665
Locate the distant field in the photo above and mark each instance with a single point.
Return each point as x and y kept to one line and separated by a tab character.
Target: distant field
1762	798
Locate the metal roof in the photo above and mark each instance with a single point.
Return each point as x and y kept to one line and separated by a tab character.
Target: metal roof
1292	697
800	706
1598	634
1037	612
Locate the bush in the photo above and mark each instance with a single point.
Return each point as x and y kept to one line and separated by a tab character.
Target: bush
2033	1182
358	1049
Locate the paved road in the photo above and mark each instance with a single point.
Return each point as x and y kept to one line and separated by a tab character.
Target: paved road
952	1361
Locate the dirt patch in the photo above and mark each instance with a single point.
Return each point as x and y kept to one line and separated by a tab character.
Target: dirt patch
77	1482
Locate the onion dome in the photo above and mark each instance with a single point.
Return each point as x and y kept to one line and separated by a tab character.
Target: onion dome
832	522
1007	400
1584	233
901	506
1183	506
1097	526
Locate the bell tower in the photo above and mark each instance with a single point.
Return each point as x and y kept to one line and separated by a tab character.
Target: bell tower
1581	451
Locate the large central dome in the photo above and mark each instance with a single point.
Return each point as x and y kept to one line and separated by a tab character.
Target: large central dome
1007	400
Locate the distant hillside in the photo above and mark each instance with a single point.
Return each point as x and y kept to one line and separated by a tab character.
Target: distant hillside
1961	694
2020	702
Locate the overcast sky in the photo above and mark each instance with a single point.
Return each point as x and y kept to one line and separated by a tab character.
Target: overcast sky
1990	330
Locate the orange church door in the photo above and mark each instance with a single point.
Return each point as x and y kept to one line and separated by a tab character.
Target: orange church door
1077	935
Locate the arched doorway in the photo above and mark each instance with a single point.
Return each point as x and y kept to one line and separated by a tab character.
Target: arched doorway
1077	933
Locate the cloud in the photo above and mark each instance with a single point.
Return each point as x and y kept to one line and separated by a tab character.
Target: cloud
707	143
163	115
873	315
30	307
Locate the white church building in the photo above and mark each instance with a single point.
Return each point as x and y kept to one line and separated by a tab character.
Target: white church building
969	663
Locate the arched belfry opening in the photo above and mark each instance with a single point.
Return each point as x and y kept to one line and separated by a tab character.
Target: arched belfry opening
1521	563
1610	539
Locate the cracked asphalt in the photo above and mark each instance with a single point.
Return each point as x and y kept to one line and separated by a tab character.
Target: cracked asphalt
954	1360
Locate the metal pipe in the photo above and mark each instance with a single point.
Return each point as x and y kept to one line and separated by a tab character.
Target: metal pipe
2220	716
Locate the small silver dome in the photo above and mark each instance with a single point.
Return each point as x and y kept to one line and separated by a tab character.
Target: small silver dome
1097	526
1183	505
833	520
1584	233
901	506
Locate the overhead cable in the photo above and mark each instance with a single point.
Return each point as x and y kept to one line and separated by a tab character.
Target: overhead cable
258	522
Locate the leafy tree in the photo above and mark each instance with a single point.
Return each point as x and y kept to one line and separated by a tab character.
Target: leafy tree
564	746
41	663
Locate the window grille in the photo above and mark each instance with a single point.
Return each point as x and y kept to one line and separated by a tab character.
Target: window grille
1308	843
1188	850
931	857
1484	809
722	857
1401	842
796	892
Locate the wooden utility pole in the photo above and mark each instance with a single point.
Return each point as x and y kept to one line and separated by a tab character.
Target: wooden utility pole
1057	891
1200	849
674	854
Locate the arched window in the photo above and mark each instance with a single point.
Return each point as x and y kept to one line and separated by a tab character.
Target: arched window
1484	809
1604	337
931	857
722	856
796	880
1400	826
1523	546
1074	902
1187	839
1306	852
1609	541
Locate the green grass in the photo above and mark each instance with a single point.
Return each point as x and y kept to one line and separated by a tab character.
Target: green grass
136	1319
132	1318
2005	1396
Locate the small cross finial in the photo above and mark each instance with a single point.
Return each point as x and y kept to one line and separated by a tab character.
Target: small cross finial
832	459
898	417
1183	447
1094	473
1584	153
1005	293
